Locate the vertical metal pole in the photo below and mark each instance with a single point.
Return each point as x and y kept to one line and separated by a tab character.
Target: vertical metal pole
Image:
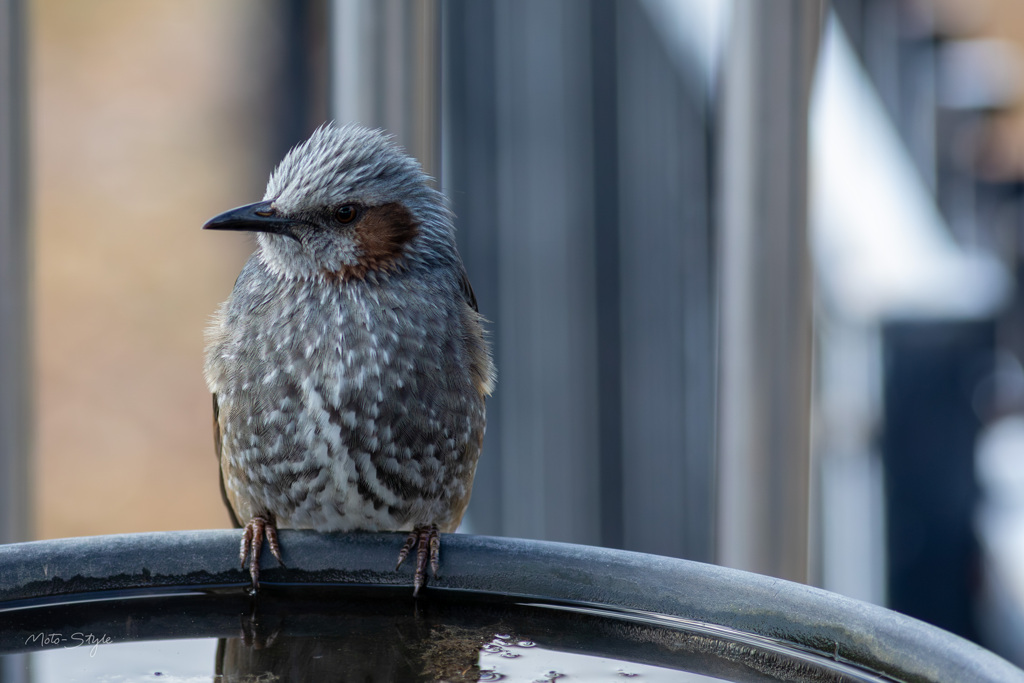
765	288
15	271
386	61
546	318
470	178
15	402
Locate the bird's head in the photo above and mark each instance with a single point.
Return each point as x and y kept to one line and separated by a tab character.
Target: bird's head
345	202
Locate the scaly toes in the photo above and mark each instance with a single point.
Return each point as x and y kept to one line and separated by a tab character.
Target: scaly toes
252	544
427	542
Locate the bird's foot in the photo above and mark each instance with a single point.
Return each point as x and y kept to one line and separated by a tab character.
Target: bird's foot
427	541
252	543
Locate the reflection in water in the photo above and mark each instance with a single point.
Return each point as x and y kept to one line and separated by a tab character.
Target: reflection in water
445	654
345	634
378	650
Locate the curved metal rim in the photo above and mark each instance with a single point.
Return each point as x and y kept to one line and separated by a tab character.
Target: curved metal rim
826	623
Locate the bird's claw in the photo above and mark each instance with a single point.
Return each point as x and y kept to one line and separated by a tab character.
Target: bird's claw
252	544
427	541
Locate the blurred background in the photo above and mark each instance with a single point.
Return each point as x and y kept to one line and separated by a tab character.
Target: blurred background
752	267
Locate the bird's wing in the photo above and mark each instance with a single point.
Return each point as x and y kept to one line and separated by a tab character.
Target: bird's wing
467	289
217	445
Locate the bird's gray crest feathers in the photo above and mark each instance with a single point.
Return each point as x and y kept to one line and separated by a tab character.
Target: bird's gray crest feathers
346	163
361	167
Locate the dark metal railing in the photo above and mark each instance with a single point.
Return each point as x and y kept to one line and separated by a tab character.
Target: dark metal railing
474	568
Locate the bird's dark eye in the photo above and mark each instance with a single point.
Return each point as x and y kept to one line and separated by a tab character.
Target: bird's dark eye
346	213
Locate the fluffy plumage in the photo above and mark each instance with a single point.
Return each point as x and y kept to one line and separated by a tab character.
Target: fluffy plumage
349	365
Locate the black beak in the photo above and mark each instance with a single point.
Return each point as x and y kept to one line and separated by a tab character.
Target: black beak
258	217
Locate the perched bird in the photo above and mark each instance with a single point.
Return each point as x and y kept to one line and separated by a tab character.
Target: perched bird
349	366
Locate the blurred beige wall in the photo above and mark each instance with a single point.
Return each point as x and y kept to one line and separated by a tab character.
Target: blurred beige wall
1002	152
1005	20
142	121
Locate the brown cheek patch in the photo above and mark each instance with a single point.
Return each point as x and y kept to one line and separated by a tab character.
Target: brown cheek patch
381	234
